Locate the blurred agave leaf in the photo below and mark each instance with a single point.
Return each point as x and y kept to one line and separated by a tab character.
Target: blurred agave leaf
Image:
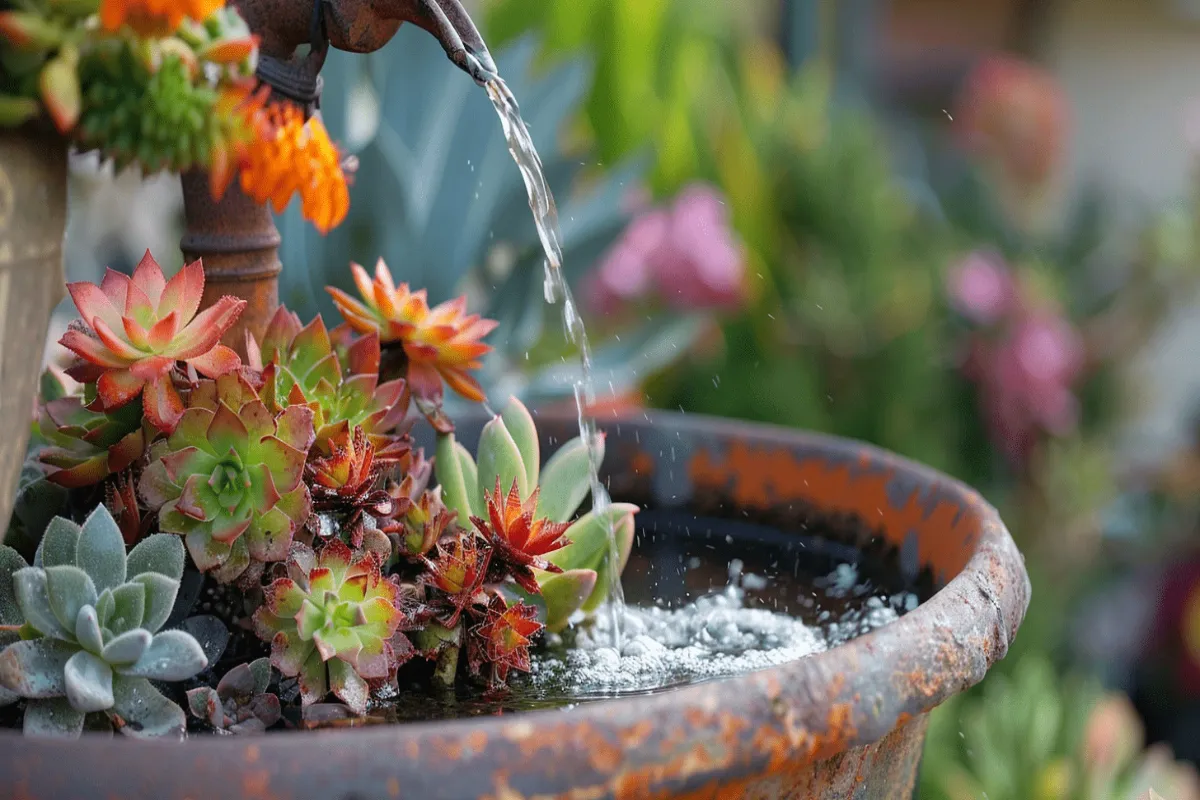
438	197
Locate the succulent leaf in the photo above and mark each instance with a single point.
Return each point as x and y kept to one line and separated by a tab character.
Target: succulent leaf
624	533
499	459
34	668
566	480
564	594
129	608
10	563
144	711
160	599
59	544
160	553
52	718
69	589
171	656
101	549
588	537
520	425
34	601
87	629
88	681
450	476
127	648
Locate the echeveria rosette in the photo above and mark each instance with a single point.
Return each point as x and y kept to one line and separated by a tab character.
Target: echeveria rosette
90	638
334	623
230	478
136	330
83	446
301	368
442	343
508	451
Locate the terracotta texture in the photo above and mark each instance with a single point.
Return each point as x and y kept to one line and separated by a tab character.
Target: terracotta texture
847	723
33	218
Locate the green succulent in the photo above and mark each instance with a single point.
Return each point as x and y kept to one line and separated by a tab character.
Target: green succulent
88	618
162	119
509	452
301	367
334	623
229	479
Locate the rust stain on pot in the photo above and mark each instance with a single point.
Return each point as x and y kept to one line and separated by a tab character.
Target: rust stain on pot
766	476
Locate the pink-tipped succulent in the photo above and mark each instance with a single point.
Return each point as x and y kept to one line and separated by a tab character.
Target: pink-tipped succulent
301	368
347	482
520	539
416	529
442	343
87	446
229	479
334	623
135	331
501	642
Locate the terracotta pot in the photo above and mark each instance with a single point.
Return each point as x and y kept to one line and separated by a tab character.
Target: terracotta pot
33	219
846	723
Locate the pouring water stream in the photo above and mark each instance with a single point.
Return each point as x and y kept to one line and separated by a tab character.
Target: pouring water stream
545	217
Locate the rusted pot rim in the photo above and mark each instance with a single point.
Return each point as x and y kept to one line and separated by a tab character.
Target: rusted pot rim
776	721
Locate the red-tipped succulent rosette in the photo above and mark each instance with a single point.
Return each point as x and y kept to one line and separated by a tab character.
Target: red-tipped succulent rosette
135	331
442	343
502	641
520	539
334	623
229	479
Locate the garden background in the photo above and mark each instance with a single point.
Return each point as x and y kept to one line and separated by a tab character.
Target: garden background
967	232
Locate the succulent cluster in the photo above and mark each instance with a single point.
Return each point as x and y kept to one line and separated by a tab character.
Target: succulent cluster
289	485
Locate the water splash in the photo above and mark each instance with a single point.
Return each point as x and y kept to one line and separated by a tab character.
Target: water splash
545	218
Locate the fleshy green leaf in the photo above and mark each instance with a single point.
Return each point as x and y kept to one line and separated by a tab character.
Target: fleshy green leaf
564	593
470	474
159	552
212	635
69	589
349	686
129	608
87	629
10	563
34	601
53	718
146	712
105	607
128	647
450	478
59	544
260	668
34	668
521	427
499	457
88	682
566	480
588	537
171	656
160	598
101	550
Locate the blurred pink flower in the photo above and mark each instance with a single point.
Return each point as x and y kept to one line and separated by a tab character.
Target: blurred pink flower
982	288
1027	382
687	254
701	264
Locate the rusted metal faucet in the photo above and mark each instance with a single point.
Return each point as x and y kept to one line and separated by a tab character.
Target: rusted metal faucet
236	237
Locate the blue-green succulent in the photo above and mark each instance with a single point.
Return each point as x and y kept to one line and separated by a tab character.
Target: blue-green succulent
509	454
82	627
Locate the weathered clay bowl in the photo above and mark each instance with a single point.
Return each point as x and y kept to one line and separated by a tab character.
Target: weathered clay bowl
847	723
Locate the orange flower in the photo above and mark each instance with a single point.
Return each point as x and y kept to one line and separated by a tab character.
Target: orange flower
154	17
442	343
289	156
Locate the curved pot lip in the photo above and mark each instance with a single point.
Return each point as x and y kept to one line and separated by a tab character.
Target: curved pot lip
791	714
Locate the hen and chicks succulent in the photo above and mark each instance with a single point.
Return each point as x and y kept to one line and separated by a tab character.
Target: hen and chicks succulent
288	484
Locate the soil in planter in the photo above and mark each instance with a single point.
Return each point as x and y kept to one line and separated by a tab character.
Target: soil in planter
708	598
